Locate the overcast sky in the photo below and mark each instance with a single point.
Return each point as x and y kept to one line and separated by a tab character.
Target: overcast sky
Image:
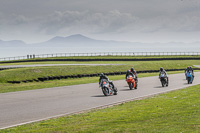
123	20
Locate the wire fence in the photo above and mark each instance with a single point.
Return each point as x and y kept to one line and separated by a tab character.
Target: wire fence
32	56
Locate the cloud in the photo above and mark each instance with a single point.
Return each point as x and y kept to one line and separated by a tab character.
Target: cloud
112	21
36	19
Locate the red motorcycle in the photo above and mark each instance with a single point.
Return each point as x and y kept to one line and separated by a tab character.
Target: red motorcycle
131	82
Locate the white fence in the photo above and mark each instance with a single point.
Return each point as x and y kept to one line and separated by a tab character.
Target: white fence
102	54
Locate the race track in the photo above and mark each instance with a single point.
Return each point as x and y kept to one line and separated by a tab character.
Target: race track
18	108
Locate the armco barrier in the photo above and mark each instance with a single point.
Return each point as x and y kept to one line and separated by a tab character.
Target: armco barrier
42	79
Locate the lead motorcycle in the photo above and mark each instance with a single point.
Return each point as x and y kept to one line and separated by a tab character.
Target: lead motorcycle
163	80
189	77
107	88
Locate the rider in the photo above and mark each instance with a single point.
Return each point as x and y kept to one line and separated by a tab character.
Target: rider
135	73
129	73
162	71
102	76
187	69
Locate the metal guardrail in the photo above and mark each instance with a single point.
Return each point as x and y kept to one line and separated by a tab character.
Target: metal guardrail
101	54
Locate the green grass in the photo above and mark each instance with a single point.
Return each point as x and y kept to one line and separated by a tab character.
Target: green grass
7	87
173	112
35	72
176	111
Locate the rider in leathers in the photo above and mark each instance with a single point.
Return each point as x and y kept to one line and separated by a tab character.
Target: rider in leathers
191	71
129	73
135	73
102	76
162	71
186	71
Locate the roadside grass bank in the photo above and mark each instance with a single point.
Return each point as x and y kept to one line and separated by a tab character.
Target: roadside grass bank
172	112
191	62
36	72
31	73
7	87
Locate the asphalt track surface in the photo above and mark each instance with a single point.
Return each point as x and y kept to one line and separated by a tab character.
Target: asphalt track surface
17	108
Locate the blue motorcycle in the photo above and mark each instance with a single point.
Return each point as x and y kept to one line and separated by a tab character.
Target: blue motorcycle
189	77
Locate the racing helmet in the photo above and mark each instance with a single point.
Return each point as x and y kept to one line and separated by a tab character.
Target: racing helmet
132	69
101	75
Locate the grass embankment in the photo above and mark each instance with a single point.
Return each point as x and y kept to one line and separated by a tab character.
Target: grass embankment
174	112
7	87
103	57
35	72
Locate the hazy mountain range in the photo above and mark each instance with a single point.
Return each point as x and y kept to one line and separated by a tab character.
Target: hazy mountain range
58	41
79	40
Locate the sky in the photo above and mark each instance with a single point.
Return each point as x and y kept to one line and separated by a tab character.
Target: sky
122	20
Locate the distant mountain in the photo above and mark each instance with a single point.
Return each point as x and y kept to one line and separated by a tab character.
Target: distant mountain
79	40
73	40
13	43
76	40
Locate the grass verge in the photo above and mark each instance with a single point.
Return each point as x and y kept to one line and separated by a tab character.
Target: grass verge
173	112
7	87
36	72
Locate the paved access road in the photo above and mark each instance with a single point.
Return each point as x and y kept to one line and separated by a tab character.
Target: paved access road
27	106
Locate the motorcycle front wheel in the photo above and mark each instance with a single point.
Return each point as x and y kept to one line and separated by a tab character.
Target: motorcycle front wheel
130	86
105	91
189	80
163	83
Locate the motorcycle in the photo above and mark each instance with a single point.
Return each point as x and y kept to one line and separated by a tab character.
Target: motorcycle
189	77
131	82
107	88
163	80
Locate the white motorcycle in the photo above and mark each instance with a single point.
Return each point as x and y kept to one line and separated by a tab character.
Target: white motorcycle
107	88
